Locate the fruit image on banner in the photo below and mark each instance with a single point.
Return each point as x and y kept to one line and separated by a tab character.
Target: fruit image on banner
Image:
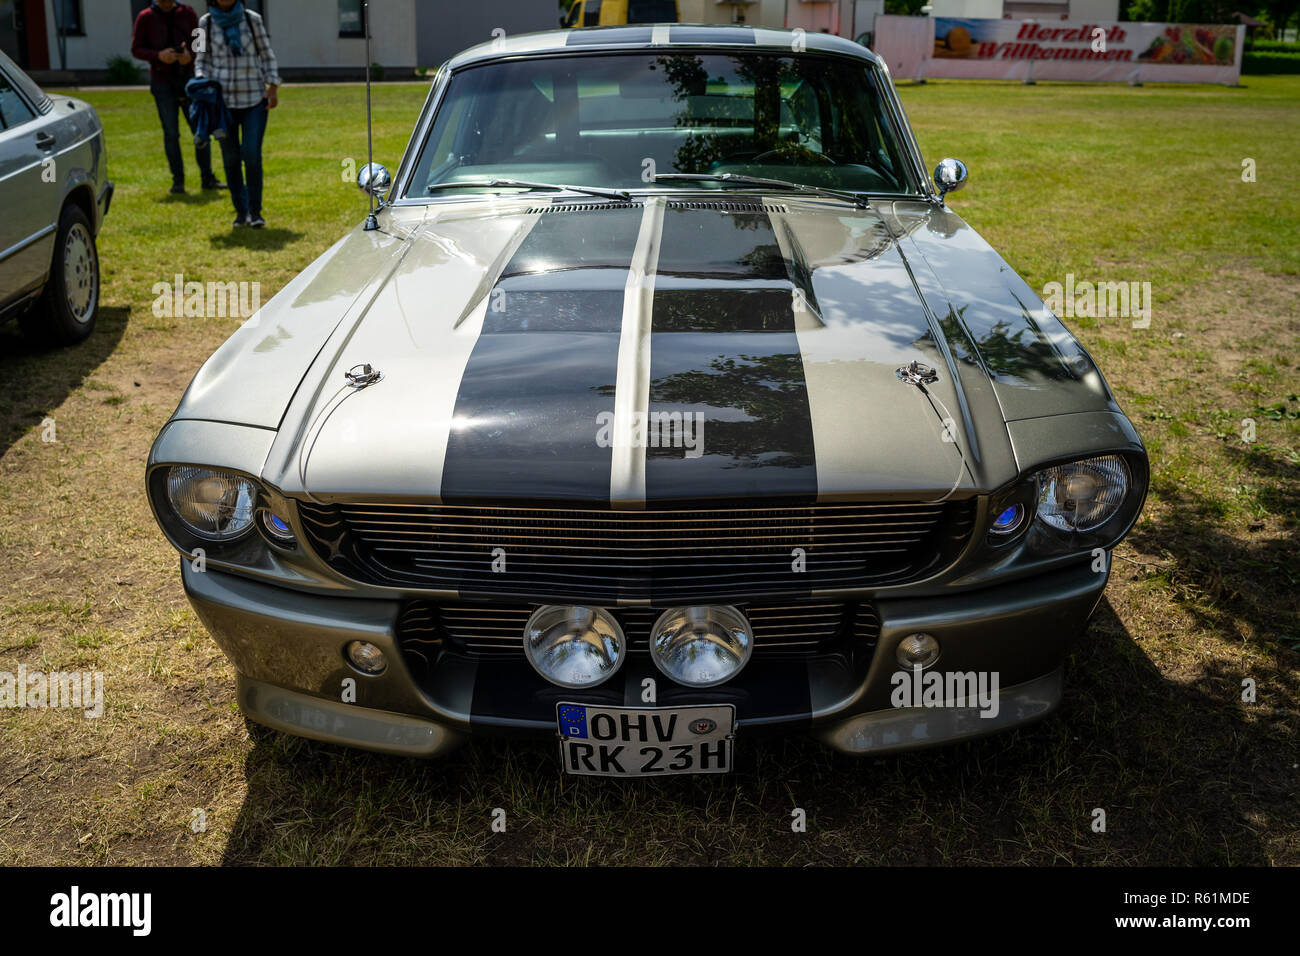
1191	45
955	38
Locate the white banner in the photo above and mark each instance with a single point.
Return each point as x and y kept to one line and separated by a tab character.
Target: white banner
964	48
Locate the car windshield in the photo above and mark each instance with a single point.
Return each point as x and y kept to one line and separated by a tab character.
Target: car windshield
617	120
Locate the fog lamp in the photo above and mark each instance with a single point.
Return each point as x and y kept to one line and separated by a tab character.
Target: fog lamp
366	657
917	650
701	646
573	645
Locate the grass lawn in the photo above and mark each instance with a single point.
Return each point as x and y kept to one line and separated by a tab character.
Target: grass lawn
1109	183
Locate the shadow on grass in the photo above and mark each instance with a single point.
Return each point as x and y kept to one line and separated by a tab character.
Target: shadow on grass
1185	773
1242	582
193	198
266	239
38	378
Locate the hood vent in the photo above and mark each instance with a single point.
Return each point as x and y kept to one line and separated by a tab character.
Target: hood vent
583	207
727	205
717	205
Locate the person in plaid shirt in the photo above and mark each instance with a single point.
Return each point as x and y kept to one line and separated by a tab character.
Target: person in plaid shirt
237	54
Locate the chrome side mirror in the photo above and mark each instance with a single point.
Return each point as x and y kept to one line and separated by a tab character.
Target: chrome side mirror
375	179
949	176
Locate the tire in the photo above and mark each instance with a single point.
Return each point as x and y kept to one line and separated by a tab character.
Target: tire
67	309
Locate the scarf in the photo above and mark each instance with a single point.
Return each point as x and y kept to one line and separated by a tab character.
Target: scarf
230	21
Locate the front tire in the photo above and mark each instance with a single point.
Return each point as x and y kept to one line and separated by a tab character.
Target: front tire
66	312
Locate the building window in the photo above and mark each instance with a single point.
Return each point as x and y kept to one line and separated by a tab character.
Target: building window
67	14
352	18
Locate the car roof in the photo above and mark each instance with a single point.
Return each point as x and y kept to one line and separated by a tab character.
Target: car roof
655	37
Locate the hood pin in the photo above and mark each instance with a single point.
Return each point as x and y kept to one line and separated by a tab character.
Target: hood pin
359	376
914	373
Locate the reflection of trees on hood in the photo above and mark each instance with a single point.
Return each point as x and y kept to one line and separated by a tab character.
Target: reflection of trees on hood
1007	354
768	389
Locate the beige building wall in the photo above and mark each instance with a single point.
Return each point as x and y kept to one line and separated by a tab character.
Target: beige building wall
762	13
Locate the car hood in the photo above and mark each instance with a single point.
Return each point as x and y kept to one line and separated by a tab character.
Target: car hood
656	351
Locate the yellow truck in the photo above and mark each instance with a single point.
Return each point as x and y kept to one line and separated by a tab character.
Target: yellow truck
605	13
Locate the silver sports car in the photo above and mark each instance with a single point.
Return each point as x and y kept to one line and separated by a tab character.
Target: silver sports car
664	405
54	195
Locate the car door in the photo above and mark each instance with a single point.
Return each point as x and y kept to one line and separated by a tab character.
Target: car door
29	191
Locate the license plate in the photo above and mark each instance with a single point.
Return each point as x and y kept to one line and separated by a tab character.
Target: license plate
645	741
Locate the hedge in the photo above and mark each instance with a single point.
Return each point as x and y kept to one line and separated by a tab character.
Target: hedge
1254	62
1272	46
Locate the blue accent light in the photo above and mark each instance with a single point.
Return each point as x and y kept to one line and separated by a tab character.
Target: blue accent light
1009	520
277	529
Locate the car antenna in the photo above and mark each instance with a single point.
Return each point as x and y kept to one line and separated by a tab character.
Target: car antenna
371	222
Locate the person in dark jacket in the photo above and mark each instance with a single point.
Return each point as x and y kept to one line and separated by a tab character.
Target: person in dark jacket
161	37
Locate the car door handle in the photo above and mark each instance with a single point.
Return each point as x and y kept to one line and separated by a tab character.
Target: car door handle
44	140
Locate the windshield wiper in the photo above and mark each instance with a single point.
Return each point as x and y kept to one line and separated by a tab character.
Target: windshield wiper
740	180
529	184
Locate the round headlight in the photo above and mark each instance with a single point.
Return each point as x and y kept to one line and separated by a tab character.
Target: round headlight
217	505
1082	495
574	646
701	646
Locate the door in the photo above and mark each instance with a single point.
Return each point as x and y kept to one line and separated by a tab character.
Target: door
29	192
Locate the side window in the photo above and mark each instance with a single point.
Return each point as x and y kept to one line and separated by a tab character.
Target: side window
444	155
14	110
591	13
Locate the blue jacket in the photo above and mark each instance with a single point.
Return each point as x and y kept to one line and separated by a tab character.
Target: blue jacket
208	113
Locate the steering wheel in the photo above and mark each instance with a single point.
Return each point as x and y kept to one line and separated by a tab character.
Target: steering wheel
793	154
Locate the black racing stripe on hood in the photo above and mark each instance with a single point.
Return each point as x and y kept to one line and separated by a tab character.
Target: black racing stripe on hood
724	351
544	367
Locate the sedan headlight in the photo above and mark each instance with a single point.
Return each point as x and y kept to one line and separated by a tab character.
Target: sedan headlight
216	505
1082	495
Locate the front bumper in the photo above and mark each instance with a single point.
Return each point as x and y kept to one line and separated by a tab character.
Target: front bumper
287	647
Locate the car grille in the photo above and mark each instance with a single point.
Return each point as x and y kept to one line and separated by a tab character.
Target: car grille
496	630
659	555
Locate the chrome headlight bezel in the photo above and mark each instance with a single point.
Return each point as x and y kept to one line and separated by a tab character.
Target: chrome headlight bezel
1081	496
553	632
231	497
1049	535
722	638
